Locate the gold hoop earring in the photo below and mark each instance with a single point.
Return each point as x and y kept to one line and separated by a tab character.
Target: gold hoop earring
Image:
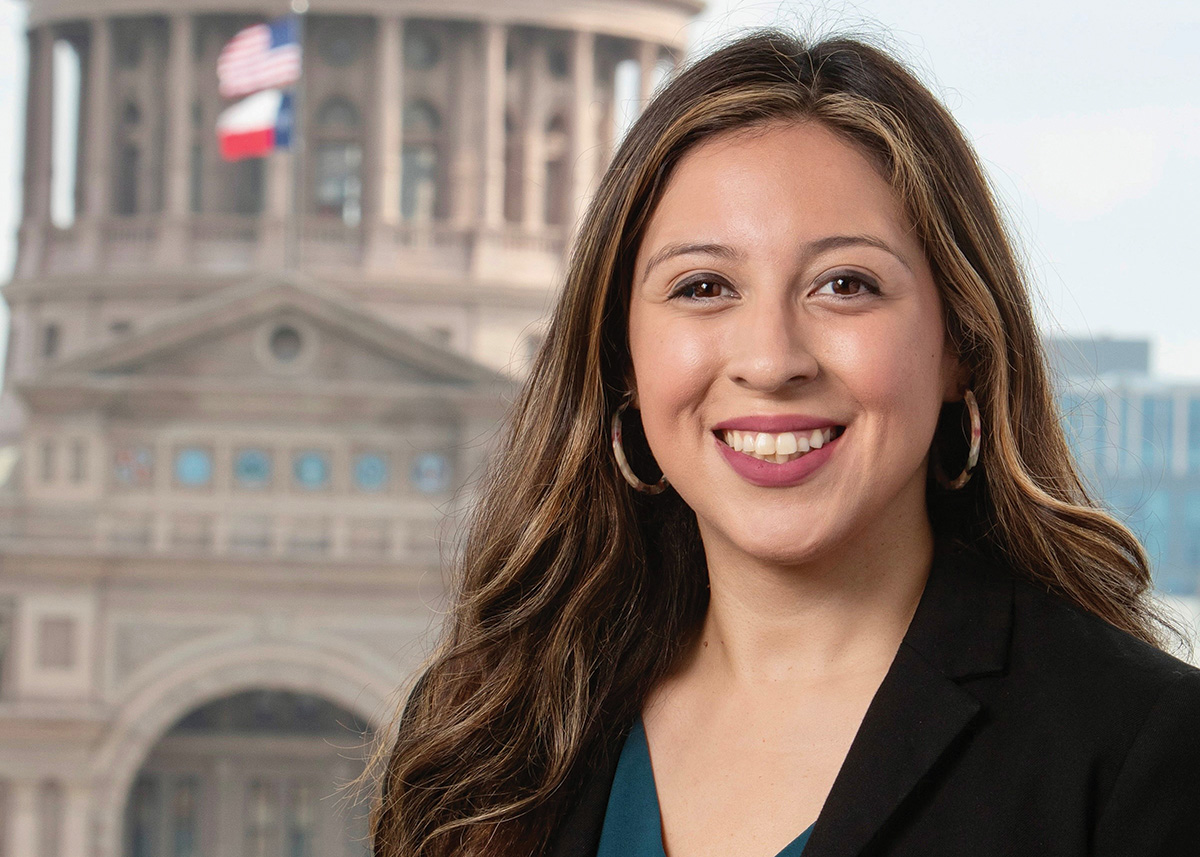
972	454
623	463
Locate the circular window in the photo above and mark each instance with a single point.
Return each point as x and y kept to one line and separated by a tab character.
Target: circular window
286	343
370	472
312	470
252	468
193	467
431	473
339	45
421	50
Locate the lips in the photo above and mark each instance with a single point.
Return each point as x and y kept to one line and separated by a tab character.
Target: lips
777	451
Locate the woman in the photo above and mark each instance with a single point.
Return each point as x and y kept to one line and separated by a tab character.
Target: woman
869	607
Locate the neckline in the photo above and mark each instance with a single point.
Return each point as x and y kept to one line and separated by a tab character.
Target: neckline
637	742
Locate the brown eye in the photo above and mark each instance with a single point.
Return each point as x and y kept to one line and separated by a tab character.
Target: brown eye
848	286
701	288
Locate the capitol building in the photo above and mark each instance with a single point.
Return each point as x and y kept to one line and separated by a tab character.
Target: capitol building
244	402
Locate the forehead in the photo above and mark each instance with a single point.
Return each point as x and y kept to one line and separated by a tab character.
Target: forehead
787	182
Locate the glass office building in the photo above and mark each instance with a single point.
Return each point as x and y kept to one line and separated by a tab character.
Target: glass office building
1137	441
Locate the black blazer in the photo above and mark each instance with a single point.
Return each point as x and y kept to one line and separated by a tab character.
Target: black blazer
1009	723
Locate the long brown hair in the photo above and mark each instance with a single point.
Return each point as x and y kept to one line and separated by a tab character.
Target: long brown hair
574	594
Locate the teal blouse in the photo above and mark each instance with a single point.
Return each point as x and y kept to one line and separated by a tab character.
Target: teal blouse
632	822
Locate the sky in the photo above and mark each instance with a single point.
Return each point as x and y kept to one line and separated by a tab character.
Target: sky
1086	117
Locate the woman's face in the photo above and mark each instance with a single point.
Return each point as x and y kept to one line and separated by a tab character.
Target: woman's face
781	303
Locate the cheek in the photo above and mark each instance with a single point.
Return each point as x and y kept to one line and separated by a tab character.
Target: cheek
896	368
671	365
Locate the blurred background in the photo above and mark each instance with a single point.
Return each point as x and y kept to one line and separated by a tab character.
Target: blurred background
274	272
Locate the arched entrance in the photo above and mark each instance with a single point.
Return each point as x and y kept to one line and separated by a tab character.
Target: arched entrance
260	773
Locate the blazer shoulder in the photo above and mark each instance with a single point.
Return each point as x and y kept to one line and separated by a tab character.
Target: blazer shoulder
1078	649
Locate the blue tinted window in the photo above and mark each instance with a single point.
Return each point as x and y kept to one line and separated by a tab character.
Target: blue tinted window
370	472
252	468
193	466
1191	529
431	473
1193	442
1158	417
311	469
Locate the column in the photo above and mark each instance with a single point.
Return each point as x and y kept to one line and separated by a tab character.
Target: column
648	53
174	238
39	136
23	827
76	839
389	142
97	177
533	143
584	145
495	41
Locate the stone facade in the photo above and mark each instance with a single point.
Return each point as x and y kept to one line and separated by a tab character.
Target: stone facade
244	402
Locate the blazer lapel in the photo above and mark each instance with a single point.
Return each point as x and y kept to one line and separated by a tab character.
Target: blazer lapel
961	629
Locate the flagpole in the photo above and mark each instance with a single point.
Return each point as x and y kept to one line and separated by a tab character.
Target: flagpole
295	221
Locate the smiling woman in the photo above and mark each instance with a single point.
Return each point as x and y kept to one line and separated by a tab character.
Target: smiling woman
793	302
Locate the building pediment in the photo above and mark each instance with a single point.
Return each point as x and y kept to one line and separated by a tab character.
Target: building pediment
271	333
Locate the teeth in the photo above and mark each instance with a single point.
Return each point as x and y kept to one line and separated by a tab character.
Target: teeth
777	448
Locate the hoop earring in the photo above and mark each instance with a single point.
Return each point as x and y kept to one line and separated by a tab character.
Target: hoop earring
973	453
623	463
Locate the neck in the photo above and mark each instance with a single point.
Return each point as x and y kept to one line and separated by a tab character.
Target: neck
839	615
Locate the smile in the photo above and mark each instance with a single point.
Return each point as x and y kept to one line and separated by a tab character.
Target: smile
779	448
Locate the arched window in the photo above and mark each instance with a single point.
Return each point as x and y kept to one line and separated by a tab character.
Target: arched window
421	167
558	179
337	161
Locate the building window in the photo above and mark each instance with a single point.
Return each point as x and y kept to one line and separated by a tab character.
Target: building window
56	643
1158	432
1193	436
193	467
285	343
300	818
183	818
133	466
339	42
558	168
371	471
48	461
514	170
252	468
51	340
1191	530
337	182
249	177
431	473
78	461
141	823
420	162
262	817
421	50
311	470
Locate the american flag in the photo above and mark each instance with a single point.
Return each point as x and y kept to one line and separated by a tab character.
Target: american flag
260	57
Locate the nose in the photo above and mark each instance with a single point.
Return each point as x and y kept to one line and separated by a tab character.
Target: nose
771	349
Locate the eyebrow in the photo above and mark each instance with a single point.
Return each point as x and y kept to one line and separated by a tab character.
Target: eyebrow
723	251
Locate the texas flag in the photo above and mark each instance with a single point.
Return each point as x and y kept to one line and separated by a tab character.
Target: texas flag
260	57
256	125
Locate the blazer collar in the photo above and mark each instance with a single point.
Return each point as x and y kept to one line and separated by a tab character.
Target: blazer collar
961	630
